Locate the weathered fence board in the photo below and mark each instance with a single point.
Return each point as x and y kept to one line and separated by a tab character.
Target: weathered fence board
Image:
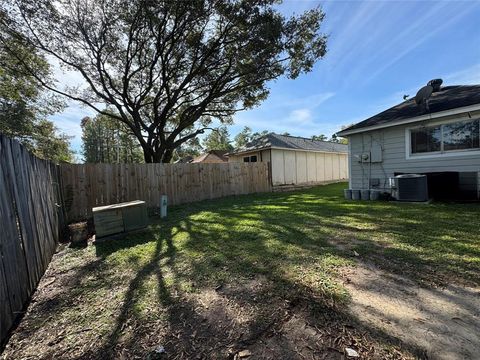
30	223
87	186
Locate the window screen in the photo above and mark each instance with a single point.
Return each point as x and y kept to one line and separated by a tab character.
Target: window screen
461	135
426	139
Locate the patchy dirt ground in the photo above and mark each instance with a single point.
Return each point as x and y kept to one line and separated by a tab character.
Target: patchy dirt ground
445	322
245	319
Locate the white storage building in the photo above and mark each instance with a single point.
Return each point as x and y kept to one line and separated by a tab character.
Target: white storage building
296	160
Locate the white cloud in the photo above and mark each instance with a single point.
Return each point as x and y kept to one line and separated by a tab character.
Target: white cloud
292	115
301	115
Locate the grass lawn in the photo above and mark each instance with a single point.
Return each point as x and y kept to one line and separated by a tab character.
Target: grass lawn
221	276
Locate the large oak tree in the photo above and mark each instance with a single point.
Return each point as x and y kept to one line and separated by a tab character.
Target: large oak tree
170	68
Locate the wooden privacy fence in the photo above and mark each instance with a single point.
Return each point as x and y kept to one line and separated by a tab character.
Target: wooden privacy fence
90	185
30	225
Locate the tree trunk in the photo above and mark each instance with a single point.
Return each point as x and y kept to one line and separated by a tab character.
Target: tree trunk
167	156
158	156
147	157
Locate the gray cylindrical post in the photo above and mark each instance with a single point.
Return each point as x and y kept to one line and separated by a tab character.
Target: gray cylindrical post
163	206
355	194
348	194
365	194
374	194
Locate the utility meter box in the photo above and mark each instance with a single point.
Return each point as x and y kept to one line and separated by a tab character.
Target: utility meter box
376	153
118	218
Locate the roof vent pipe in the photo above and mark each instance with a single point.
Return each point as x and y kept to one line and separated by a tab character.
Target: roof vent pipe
435	84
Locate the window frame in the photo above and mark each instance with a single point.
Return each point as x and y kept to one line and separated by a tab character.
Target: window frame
248	158
442	153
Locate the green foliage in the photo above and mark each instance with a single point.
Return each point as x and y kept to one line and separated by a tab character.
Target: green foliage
243	137
320	137
246	136
336	139
24	105
51	145
107	141
170	68
218	139
189	149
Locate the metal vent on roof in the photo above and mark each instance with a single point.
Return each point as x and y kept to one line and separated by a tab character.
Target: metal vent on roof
435	84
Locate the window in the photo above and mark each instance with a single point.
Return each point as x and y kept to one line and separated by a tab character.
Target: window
426	139
461	135
252	158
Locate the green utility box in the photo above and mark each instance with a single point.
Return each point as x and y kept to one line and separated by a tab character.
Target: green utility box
118	218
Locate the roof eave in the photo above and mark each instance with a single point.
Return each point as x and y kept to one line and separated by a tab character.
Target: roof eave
248	151
285	148
455	111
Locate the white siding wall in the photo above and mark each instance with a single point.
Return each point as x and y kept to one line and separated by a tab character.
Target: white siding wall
278	167
290	173
307	167
311	167
301	167
393	144
320	163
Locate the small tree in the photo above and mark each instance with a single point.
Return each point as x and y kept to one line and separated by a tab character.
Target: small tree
170	67
218	140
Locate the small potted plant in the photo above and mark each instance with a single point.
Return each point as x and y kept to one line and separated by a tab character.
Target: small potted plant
78	233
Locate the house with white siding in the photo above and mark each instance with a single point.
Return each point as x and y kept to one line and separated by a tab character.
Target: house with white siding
436	134
296	160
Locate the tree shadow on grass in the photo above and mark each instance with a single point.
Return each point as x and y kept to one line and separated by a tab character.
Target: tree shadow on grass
220	276
222	251
241	253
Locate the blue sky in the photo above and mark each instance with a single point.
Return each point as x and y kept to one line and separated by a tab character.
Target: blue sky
377	51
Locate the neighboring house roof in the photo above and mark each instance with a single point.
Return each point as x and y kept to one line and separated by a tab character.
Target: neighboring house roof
213	156
273	140
448	98
184	160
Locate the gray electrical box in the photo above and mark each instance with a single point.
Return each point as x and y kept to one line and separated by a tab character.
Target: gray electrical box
376	153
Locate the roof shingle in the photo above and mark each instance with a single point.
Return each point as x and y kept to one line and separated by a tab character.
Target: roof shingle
292	142
449	97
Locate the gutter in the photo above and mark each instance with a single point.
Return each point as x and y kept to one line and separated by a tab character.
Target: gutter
439	114
291	149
